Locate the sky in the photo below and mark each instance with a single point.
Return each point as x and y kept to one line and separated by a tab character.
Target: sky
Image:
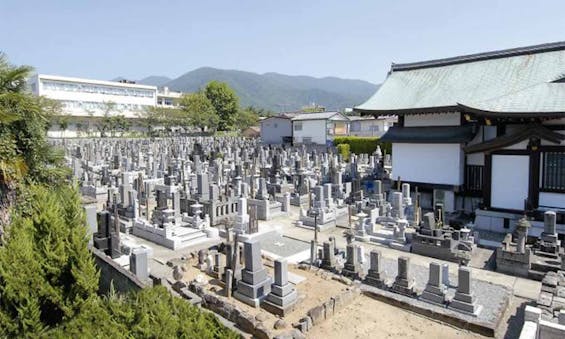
350	39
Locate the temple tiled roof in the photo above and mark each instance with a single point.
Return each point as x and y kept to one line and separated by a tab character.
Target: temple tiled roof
485	79
547	98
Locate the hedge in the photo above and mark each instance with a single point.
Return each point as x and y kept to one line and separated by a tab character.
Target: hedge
343	149
359	145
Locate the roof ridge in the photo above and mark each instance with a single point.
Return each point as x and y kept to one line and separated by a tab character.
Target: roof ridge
547	47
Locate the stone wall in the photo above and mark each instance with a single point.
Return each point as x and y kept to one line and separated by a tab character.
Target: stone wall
318	314
443	252
513	263
113	274
221	306
249	323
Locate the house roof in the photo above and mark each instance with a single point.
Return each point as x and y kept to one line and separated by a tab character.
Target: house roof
319	116
364	117
274	117
429	134
464	81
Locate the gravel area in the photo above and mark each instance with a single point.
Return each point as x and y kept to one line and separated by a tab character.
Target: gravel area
491	296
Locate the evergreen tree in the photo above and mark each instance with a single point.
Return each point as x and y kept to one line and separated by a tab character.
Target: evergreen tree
46	270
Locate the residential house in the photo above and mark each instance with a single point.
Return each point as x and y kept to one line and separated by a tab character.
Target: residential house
369	126
319	128
277	129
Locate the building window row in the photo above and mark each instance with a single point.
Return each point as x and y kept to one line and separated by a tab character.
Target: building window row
100	106
99	89
166	102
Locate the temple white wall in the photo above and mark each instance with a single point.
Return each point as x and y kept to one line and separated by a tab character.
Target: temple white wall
428	163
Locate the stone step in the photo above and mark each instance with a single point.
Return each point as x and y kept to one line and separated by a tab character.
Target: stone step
195	239
192	236
383	233
536	275
400	246
380	240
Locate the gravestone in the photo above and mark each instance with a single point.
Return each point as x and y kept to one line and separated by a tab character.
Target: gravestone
404	283
255	284
464	300
219	265
283	296
352	267
375	276
328	259
435	289
138	263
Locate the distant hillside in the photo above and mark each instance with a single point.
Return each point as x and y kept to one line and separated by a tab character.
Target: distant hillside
154	80
277	92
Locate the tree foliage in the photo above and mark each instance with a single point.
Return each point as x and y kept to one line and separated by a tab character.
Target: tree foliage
151	313
246	117
225	102
25	155
46	271
198	111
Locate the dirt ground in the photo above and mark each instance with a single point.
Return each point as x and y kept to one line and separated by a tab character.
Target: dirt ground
364	318
313	291
369	318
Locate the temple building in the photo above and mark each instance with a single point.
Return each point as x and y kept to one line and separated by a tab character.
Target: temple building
481	133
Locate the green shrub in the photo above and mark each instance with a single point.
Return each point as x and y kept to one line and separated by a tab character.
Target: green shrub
359	145
343	149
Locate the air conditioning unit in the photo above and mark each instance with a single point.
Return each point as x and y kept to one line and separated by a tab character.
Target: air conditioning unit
445	197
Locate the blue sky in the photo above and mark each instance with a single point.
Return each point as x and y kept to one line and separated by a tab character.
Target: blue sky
351	39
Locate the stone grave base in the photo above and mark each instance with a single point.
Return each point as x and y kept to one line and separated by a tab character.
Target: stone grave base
280	310
321	227
467	308
253	302
434	297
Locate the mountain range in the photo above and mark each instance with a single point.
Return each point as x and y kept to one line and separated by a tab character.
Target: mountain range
274	91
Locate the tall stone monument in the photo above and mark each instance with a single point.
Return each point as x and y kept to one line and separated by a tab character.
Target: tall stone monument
255	284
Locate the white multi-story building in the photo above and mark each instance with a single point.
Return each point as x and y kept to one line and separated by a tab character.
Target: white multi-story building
86	100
